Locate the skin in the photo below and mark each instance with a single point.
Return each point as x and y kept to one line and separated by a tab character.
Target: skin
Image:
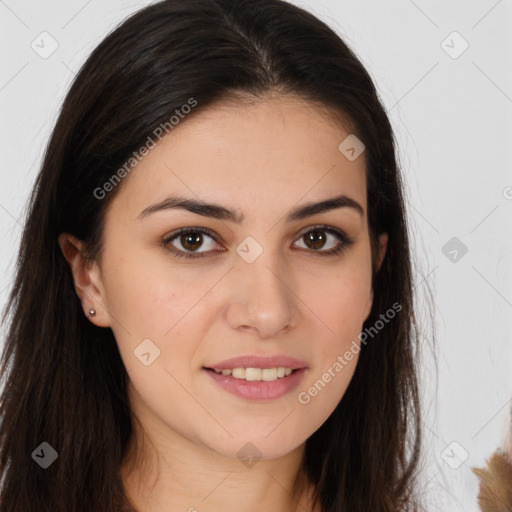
260	159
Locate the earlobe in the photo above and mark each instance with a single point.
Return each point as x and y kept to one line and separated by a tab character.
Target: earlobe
86	278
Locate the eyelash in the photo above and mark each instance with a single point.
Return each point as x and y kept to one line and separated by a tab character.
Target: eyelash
178	253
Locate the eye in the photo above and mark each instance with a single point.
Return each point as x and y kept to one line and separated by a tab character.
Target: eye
189	240
318	237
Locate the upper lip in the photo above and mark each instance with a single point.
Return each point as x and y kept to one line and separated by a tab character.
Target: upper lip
249	361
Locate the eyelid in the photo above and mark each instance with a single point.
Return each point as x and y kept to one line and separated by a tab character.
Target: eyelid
212	234
194	229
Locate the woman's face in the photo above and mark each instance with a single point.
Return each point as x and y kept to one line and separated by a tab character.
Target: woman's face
263	289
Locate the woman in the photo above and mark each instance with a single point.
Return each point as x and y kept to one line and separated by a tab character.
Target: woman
213	301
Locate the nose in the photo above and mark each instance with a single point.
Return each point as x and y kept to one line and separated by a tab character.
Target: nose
262	297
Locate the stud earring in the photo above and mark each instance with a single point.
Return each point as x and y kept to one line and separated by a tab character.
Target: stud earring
92	312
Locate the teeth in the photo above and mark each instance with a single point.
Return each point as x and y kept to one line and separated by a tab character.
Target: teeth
251	374
269	374
239	373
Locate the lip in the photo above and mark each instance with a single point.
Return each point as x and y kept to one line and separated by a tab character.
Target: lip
251	361
257	390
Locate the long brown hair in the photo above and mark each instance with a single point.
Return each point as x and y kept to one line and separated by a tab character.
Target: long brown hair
65	383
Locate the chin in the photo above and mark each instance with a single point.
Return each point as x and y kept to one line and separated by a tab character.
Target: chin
251	450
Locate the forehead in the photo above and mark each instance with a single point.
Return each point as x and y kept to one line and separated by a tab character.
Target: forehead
280	150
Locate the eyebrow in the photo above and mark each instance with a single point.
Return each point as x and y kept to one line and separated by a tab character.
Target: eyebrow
219	212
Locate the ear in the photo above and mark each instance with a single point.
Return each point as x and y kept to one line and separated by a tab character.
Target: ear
87	279
383	245
381	252
368	307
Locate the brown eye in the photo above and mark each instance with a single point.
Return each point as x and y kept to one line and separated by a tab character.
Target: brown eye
190	241
315	239
325	240
186	242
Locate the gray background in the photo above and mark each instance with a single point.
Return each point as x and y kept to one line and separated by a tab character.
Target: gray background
451	112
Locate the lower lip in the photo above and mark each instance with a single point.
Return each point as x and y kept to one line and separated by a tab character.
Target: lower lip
259	389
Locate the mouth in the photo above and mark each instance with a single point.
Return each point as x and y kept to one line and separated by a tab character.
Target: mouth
255	374
256	384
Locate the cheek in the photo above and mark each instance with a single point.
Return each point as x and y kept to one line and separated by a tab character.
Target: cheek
341	301
341	304
148	295
152	301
